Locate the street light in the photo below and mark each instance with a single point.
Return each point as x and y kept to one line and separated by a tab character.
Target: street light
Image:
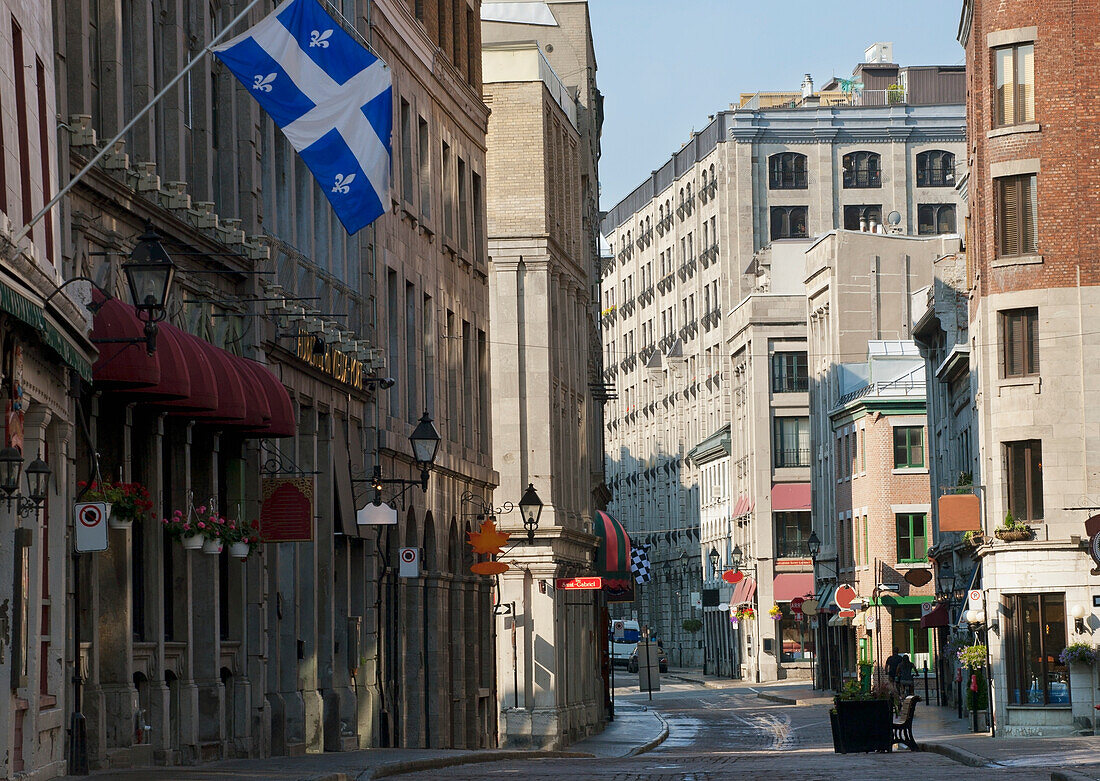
149	273
425	443
38	480
530	507
814	545
714	557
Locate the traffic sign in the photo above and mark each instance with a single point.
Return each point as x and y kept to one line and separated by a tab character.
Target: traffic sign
409	563
618	630
796	605
91	526
579	584
974	595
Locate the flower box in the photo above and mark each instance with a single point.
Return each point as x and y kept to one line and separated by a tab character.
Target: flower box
861	726
1015	534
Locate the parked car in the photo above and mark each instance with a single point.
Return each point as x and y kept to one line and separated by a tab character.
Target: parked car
662	659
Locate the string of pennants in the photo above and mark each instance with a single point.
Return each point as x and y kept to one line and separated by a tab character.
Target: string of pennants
668	537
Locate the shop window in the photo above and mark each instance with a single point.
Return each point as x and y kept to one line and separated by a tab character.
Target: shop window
796	639
912	537
908	447
1025	479
1036	637
909	638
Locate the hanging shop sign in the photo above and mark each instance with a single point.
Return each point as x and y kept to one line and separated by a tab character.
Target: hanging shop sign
90	522
578	584
286	514
1092	529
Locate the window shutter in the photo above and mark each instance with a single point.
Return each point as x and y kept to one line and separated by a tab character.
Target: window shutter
1032	326
1026	188
1035	467
1009	217
1017	480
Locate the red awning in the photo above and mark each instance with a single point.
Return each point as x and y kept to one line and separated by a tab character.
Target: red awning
280	422
791	496
204	384
743	592
937	616
613	553
175	373
121	365
789	585
232	403
738	507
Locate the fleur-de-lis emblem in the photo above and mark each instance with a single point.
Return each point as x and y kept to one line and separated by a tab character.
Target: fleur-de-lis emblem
341	183
318	38
263	83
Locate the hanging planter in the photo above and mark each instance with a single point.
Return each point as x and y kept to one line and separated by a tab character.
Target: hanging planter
192	541
212	546
240	550
129	501
775	612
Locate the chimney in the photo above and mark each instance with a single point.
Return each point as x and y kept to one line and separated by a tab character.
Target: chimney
807	86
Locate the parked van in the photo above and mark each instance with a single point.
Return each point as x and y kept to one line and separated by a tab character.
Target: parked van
621	649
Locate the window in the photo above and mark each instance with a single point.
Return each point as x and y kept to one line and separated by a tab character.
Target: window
1036	637
912	537
1025	479
789	373
1020	340
789	222
447	188
787	171
1014	68
792	529
862	170
908	447
860	217
935	168
909	638
1016	215
463	207
935	218
406	152
866	548
425	169
796	638
792	442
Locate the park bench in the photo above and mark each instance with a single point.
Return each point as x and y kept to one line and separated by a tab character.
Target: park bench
903	723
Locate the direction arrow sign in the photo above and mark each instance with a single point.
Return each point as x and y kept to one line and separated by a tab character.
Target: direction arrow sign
578	584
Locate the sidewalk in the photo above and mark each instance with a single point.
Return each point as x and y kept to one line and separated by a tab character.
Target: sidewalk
636	729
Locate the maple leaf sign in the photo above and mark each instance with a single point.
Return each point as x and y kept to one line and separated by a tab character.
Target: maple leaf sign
487	540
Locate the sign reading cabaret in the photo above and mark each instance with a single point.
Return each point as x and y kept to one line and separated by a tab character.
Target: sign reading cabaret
336	364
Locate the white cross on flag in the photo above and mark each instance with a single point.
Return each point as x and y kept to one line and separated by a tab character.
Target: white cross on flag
331	97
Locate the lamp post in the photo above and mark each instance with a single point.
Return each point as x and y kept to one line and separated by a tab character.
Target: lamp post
38	480
975	618
813	544
714	557
425	445
530	507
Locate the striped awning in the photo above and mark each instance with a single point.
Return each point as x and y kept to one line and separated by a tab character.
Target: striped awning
613	556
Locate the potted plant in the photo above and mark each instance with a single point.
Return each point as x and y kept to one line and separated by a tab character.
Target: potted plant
1078	653
1013	531
241	538
973	538
775	612
861	720
972	658
692	625
129	501
182	528
745	612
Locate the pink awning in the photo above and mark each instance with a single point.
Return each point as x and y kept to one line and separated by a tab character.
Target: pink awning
737	508
789	585
743	592
791	496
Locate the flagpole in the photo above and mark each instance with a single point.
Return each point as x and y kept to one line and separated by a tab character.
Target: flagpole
110	144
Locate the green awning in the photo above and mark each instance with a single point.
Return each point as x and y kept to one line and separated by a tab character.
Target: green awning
890	600
18	305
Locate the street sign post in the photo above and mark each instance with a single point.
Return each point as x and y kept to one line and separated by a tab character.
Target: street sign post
579	584
91	526
796	605
409	563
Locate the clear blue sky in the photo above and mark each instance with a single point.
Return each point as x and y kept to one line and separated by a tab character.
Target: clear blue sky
664	66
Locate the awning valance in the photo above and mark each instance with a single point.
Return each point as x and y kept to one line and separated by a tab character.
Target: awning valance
791	496
613	555
21	307
937	616
789	585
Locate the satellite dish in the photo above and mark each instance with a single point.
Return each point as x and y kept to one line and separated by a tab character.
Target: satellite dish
894	218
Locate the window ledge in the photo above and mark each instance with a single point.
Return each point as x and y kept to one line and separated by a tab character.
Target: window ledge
904	565
1020	382
1011	130
910	470
1019	260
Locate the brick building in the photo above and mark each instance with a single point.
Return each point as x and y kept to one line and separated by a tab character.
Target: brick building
1033	277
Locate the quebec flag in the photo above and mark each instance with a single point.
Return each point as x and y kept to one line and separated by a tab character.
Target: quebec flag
331	97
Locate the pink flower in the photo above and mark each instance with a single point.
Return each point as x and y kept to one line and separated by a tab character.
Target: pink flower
187	527
164	521
232	524
202	509
202	525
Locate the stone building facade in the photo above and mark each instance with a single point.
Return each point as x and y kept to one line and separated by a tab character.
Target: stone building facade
542	314
870	499
44	354
314	645
691	243
1032	279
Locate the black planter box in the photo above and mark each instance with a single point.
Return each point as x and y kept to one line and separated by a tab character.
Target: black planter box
861	726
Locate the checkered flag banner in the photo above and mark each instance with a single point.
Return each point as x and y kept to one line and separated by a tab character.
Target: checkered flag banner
639	563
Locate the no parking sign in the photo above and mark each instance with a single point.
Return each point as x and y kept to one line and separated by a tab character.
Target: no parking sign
91	526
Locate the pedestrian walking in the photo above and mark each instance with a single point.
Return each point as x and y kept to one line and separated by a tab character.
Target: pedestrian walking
905	672
892	667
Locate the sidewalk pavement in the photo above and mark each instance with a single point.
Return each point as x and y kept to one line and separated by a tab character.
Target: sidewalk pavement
636	729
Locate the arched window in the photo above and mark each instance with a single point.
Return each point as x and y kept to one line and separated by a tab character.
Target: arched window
689	193
787	171
704	178
935	168
935	218
789	222
862	169
681	196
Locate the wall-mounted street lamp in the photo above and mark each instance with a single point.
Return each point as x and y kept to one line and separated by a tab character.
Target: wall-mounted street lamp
530	507
813	543
715	557
425	444
149	273
737	557
38	479
1077	613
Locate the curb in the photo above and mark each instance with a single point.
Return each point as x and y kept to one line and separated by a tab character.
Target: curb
696	681
656	741
435	763
1069	775
960	755
776	698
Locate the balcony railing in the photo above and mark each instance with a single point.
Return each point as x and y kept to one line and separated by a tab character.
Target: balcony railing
785	459
792	384
861	179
